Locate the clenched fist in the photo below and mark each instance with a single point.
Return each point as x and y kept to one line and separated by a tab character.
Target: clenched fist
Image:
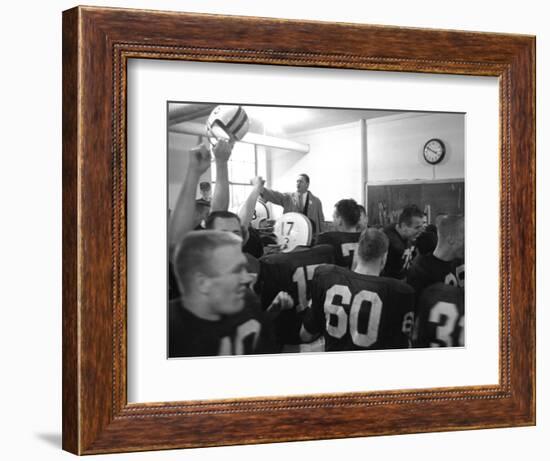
200	158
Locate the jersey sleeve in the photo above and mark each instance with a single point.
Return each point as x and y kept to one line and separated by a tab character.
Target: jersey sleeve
269	276
417	277
267	343
314	315
402	308
323	239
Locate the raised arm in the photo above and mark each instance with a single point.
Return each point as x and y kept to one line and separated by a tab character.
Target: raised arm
278	198
247	210
181	220
222	152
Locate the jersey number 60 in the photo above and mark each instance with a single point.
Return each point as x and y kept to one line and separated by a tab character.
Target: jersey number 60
360	301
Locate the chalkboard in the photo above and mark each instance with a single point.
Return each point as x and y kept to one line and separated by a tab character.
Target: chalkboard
385	202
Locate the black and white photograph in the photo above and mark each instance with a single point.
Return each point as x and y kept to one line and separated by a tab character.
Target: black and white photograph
313	229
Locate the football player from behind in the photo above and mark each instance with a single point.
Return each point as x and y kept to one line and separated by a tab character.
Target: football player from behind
446	263
345	239
440	320
358	309
291	271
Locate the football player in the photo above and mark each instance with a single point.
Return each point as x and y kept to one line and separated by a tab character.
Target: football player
345	239
292	272
446	263
401	236
358	309
440	321
217	313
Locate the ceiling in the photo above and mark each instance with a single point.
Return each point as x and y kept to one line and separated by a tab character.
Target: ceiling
275	120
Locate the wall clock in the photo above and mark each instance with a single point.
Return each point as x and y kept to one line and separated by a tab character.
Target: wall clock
434	151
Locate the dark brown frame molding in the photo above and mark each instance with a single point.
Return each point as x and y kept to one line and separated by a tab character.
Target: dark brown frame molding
97	43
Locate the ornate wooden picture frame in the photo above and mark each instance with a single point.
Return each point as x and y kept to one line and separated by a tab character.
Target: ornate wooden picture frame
97	44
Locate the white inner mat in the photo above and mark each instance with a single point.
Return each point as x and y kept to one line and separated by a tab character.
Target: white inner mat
153	378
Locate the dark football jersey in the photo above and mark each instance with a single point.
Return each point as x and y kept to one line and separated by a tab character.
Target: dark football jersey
440	320
291	272
247	332
428	269
344	243
254	244
400	254
355	311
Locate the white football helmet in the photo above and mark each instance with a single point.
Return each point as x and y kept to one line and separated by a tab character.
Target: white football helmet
292	230
261	213
229	123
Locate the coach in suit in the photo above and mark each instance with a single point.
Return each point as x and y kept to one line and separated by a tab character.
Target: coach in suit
301	201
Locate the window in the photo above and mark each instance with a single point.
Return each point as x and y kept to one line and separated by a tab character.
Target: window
246	162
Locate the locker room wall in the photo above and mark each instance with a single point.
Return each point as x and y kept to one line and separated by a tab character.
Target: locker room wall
395	145
333	165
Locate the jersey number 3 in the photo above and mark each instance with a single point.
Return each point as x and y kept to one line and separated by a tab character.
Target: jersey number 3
447	321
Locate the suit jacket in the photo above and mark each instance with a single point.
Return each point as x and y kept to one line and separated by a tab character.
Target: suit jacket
290	201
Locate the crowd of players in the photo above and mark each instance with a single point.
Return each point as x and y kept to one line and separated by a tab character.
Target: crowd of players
356	287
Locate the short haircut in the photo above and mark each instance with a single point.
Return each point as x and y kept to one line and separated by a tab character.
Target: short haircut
408	213
194	254
451	226
205	186
348	210
373	244
209	223
305	176
362	209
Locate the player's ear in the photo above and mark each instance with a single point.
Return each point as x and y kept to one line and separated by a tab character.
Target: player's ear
451	241
203	283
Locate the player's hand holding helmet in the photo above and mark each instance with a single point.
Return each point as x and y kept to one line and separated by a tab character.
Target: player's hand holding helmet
228	123
222	150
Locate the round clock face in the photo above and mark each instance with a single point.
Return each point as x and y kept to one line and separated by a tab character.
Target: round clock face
434	151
